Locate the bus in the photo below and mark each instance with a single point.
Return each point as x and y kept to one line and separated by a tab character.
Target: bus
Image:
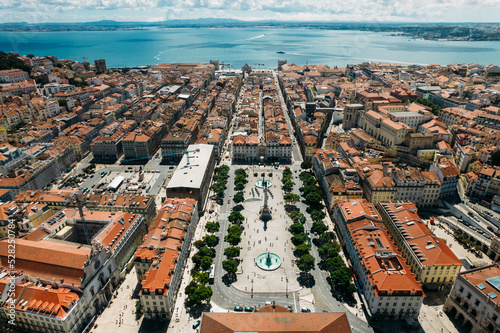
211	275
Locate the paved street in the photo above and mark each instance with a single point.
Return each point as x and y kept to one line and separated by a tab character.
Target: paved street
319	297
119	315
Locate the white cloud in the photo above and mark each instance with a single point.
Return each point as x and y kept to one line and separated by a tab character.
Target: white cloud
356	10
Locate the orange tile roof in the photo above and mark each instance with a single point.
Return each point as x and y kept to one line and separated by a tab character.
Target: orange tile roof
160	275
433	249
282	322
48	259
47	301
386	269
479	276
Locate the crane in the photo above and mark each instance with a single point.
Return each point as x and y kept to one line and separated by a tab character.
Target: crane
259	65
79	203
162	155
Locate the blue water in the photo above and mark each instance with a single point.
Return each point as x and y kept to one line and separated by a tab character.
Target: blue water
238	46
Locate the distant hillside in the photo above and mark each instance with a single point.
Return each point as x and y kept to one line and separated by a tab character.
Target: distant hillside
10	62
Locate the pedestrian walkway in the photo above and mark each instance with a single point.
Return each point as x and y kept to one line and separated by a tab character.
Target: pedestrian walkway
119	316
259	237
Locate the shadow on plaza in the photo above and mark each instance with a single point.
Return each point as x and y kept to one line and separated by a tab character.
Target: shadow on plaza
395	326
228	279
306	280
341	295
197	311
154	326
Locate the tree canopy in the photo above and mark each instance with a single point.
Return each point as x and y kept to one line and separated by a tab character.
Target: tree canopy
210	240
236	217
238	197
232	251
306	263
230	266
212	227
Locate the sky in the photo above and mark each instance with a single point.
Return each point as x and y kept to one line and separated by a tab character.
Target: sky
40	11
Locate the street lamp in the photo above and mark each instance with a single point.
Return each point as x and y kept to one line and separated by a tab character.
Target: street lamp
252	290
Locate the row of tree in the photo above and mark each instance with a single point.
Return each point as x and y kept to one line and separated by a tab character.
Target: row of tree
311	191
198	291
328	247
221	174
286	180
340	274
300	239
466	241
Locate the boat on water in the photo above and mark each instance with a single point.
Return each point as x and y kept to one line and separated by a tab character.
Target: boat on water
280	52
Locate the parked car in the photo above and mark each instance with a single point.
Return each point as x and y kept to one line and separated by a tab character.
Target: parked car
238	308
196	324
248	309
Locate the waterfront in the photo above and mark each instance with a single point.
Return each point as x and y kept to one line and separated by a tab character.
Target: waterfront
254	46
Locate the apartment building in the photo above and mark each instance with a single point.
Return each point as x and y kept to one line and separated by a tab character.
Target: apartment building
389	288
108	148
173	146
430	259
13	75
463	156
448	174
487	183
378	185
474	300
160	260
143	142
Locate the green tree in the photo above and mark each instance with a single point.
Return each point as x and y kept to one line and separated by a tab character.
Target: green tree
234	229
230	266
313	199
291	198
287	172
297	216
235	217
138	307
306	263
240	171
198	293
206	262
341	277
62	102
302	249
329	250
240	178
199	244
299	239
297	228
326	237
210	240
238	197
205	251
306	165
318	215
239	186
288	185
318	227
233	239
232	251
212	227
335	263
200	277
